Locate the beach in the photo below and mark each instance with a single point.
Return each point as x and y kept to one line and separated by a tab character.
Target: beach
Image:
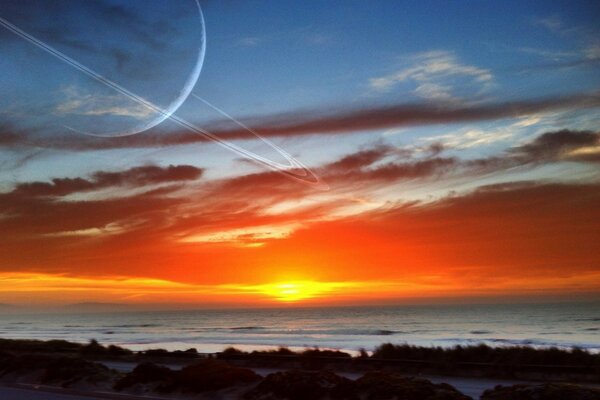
57	369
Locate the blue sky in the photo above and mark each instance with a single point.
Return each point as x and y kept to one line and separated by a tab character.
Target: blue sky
326	53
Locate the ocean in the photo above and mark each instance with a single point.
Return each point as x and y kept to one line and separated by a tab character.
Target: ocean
348	328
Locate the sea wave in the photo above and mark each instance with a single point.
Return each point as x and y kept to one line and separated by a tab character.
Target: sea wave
320	331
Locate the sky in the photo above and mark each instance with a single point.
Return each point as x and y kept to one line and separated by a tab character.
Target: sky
145	152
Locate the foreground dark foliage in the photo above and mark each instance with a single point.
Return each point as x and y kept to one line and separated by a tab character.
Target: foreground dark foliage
510	355
200	377
301	385
546	391
145	373
39	346
54	369
382	385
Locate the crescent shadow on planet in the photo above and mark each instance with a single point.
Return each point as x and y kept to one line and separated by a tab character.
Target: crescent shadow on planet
176	103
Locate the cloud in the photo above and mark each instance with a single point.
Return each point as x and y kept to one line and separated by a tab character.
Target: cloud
147	175
363	158
585	54
432	72
363	170
561	145
8	137
136	177
316	122
368	166
553	23
41	18
592	52
93	104
555	55
388	172
250	41
245	237
471	138
318	39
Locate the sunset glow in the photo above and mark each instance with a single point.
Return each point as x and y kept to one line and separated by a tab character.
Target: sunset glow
300	290
54	290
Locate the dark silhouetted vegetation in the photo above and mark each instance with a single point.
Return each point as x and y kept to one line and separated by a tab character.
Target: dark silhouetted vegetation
213	375
93	348
54	369
544	391
284	351
200	377
514	355
162	353
145	373
39	346
325	353
385	385
64	363
302	385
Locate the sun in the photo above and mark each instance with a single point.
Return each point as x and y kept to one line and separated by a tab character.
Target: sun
296	290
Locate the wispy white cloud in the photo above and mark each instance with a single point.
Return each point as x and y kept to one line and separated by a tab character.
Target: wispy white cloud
305	36
81	103
245	237
476	137
553	23
250	41
588	48
109	229
469	138
592	52
433	73
554	55
318	39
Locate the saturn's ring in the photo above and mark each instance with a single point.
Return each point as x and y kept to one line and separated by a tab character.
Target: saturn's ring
294	170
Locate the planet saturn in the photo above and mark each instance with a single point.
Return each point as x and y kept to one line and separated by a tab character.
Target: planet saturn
127	83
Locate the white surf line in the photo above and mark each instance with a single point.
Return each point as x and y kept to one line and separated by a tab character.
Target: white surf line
306	176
